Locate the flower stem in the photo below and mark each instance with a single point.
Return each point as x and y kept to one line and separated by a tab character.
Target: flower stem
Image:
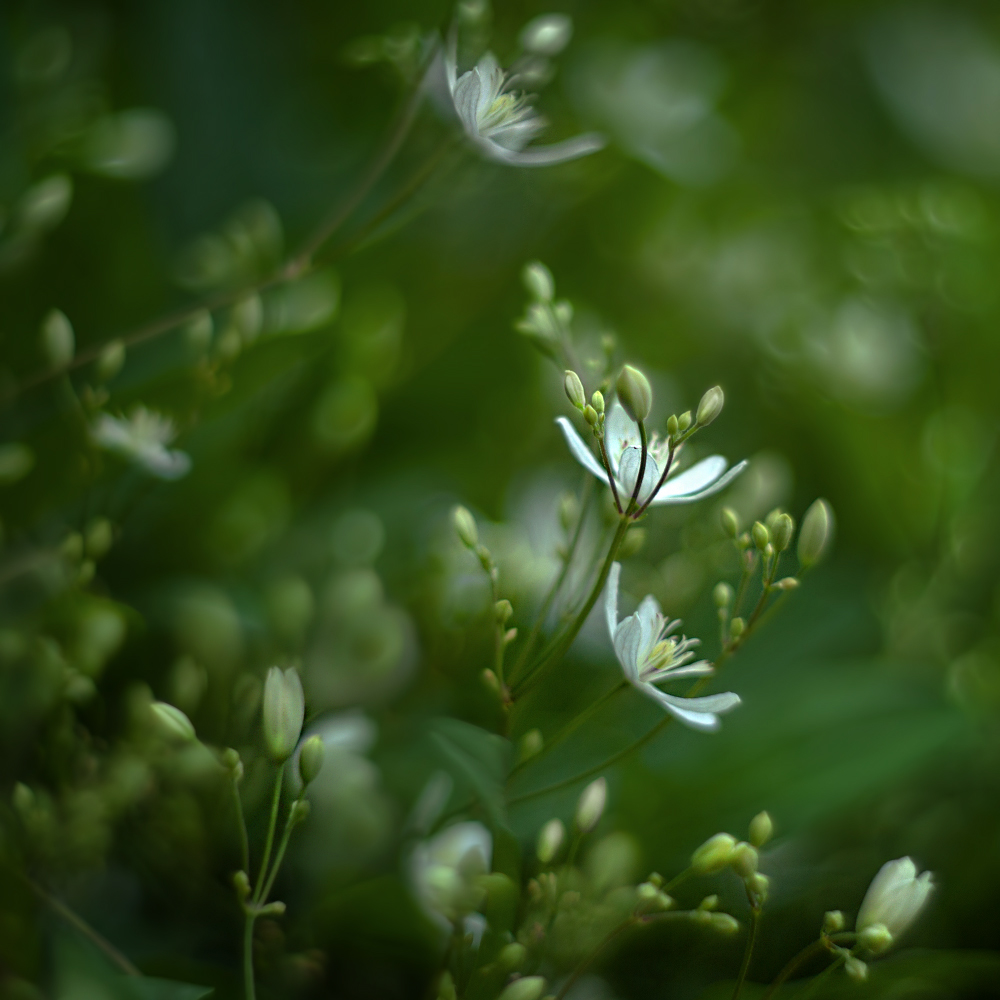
249	989
269	842
643	455
280	856
747	951
244	839
662	480
586	963
611	477
810	951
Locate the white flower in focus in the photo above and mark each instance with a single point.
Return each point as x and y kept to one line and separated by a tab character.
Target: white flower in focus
649	654
621	440
500	122
893	901
142	438
444	870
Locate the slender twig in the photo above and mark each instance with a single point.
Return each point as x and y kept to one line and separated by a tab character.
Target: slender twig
643	455
282	847
747	951
663	478
269	842
242	826
611	476
249	987
811	950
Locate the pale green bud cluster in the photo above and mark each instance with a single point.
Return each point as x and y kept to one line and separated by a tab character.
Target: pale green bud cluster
283	711
634	393
714	855
545	321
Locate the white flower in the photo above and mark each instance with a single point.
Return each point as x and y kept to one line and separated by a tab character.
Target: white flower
622	443
893	901
649	654
444	870
500	122
142	438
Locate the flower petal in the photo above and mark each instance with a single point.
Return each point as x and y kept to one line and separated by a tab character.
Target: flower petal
721	483
700	669
705	721
544	156
650	622
611	599
628	472
626	640
580	451
620	432
706	472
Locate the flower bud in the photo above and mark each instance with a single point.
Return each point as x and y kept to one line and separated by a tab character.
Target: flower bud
99	537
590	806
745	860
632	543
491	682
284	712
547	35
634	393
512	957
525	988
814	535
537	279
736	628
503	609
597	401
672	426
531	744
856	969
722	595
111	360
465	526
709	903
786	583
574	389
761	536
759	886
563	312
299	812
710	406
550	839
724	923
275	909
58	342
590	415
761	829
242	884
875	939
782	531
730	522
172	722
895	898
311	759
833	921
684	420
714	855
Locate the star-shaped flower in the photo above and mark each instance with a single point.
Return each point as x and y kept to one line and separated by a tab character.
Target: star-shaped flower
501	122
142	438
649	654
621	440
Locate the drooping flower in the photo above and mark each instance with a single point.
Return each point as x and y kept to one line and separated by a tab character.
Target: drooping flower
894	900
649	654
501	122
622	442
142	438
444	872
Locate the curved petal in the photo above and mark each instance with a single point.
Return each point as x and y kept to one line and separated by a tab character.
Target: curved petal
466	94
698	477
166	464
705	721
490	77
715	703
700	669
611	599
628	472
626	641
650	622
720	484
544	156
580	451
620	432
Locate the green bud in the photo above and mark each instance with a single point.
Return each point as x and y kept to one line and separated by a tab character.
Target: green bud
730	522
760	534
311	759
446	987
709	903
714	855
275	909
172	722
574	389
590	415
724	923
58	342
634	393
672	426
537	279
248	317
512	957
503	609
230	758
569	511
781	533
550	839
590	806
722	595
759	886
241	883
632	543
814	535
72	546
736	628
786	583
597	401
111	360
833	921
99	537
745	860
563	312
684	421
710	406
23	799
284	712
299	812
465	526
855	969
761	829
525	988
876	938
531	744
491	682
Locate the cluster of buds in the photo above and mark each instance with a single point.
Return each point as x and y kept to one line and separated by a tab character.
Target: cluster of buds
723	851
593	412
705	914
681	426
546	322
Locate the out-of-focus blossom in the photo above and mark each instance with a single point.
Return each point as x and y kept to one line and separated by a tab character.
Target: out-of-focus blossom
648	654
142	437
893	901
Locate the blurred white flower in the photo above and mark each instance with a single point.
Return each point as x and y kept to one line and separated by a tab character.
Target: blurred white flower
142	438
893	901
648	654
621	439
500	122
444	870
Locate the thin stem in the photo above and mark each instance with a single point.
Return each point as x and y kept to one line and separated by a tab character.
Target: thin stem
677	880
586	963
747	951
611	477
838	961
250	990
574	629
810	951
642	470
662	480
244	839
269	842
280	856
85	929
